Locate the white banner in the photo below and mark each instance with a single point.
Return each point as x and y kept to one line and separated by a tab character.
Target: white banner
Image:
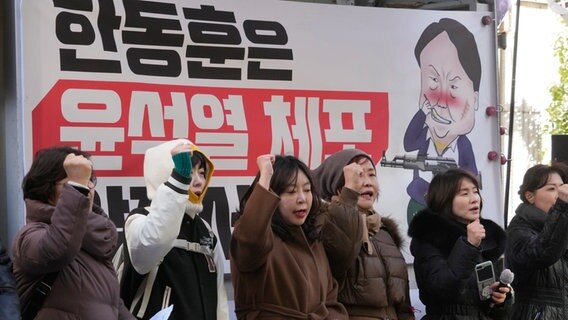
244	78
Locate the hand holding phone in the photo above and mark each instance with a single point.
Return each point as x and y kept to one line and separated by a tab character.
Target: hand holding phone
485	278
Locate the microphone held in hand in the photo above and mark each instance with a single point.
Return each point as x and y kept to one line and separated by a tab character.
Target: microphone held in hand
506	278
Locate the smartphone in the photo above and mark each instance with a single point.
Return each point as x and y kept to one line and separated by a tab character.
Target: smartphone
485	277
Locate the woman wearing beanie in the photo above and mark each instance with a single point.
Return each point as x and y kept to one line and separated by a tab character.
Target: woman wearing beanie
374	281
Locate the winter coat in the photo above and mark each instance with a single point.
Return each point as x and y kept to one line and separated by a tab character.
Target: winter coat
537	255
193	282
341	230
444	264
373	278
77	243
277	279
9	301
376	286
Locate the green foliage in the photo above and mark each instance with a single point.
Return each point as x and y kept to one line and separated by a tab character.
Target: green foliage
558	109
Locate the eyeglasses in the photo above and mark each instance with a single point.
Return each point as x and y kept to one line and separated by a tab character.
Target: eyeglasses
92	181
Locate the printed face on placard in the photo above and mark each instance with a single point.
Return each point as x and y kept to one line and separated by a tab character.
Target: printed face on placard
447	94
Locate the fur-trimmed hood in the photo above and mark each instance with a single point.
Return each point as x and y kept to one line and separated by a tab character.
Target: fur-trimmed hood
392	227
389	224
443	232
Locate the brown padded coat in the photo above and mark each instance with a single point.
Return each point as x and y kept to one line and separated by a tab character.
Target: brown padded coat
274	279
77	242
376	286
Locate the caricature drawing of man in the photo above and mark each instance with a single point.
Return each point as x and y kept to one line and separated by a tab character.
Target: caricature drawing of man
450	69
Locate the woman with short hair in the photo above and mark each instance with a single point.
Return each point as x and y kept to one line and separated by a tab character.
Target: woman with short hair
449	239
537	245
66	233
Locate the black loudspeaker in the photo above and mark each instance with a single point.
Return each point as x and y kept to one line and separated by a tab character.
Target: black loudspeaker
559	150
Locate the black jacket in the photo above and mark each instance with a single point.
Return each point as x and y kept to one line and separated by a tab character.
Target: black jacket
536	253
444	264
9	301
183	279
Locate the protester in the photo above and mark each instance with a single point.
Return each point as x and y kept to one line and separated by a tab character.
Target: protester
448	239
375	284
278	265
67	234
537	243
9	301
170	244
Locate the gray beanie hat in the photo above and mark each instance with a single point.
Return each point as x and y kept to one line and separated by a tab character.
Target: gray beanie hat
328	175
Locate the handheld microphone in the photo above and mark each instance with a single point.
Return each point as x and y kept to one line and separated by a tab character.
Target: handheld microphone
506	278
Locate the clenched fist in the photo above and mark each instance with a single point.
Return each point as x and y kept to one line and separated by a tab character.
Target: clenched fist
475	233
181	147
563	192
353	174
78	168
264	163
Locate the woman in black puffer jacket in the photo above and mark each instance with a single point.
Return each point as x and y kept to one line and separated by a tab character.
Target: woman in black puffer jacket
448	239
537	243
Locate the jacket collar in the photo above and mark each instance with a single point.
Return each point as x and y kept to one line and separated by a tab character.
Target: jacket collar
430	227
532	215
37	211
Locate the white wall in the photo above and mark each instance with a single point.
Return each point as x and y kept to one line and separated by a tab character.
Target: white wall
537	71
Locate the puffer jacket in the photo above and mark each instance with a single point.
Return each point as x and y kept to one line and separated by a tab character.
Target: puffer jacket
372	276
444	265
341	230
9	301
537	255
77	243
376	285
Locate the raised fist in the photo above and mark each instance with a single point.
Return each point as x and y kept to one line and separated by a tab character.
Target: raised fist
264	163
181	147
475	233
353	174
78	168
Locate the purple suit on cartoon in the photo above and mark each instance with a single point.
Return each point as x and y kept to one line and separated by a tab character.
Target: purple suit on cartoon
416	138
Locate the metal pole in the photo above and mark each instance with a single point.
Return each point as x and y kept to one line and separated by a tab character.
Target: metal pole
512	114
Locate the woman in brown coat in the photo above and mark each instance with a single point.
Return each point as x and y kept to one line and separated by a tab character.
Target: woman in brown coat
278	265
68	234
374	285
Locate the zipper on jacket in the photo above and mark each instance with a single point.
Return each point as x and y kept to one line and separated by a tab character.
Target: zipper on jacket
166	299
